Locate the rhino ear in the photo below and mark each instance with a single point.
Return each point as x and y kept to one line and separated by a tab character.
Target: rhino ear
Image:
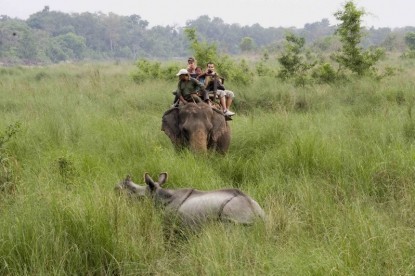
149	181
162	178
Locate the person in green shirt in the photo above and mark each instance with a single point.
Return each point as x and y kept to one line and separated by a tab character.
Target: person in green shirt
188	87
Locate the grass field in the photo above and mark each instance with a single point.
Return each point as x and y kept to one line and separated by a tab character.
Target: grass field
332	166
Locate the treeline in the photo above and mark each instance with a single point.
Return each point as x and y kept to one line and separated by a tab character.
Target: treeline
51	36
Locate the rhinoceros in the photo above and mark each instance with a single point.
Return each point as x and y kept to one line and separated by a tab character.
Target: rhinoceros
195	207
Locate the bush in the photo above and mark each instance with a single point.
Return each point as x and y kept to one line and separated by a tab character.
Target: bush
324	73
262	70
409	54
207	52
147	70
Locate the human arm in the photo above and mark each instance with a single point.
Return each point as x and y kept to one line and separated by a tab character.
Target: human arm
182	100
180	93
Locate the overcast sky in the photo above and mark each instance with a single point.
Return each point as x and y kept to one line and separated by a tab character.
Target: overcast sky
267	13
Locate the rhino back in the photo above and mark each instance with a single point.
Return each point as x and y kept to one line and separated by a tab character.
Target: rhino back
228	205
243	209
205	205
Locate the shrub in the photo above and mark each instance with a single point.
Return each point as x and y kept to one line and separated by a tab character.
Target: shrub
263	70
409	54
324	73
147	70
207	52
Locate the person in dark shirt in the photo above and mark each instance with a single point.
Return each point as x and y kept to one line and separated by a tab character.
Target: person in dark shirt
188	87
212	82
193	73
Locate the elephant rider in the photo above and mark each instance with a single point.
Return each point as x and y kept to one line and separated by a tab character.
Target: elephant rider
214	84
188	87
191	67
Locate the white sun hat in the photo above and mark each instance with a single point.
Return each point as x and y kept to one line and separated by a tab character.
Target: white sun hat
182	72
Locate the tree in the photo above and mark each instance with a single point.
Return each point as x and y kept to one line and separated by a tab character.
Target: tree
204	52
317	30
42	36
112	26
28	47
292	61
207	52
247	44
55	52
10	32
72	44
351	56
55	23
389	43
410	40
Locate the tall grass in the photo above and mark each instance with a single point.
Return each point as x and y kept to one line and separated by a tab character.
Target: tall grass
333	167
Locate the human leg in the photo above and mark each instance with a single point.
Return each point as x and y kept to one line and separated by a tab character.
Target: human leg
228	102
223	103
229	97
175	101
226	111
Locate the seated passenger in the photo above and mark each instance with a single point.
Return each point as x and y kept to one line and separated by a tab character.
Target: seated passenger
213	82
191	67
188	87
198	72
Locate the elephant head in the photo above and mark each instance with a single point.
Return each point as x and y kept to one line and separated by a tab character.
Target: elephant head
198	127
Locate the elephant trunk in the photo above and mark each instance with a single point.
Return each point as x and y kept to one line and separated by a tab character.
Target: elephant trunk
198	141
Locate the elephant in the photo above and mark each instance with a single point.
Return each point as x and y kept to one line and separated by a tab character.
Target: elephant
197	126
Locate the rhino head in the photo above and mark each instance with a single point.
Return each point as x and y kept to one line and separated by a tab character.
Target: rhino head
131	189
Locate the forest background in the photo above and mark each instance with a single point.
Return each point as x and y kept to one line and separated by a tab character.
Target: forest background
52	36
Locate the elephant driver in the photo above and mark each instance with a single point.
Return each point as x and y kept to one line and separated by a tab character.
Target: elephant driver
188	88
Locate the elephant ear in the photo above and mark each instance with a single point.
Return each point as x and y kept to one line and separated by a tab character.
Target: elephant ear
220	136
170	125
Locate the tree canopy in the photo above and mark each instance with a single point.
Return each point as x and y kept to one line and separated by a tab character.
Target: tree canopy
50	36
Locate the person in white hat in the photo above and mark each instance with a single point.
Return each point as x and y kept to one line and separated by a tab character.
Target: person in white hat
188	87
